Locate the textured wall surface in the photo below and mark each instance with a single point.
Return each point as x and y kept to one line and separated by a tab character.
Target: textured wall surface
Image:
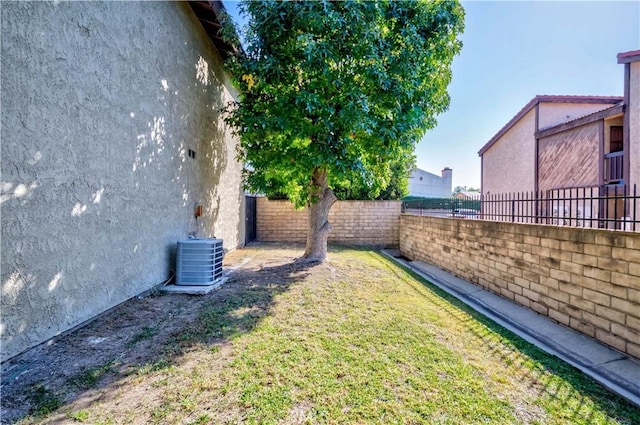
423	183
509	165
101	103
554	113
579	147
634	124
353	222
587	279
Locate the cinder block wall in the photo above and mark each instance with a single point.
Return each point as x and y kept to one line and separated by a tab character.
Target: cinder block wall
353	222
587	279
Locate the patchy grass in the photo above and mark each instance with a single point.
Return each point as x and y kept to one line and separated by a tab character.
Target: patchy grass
43	400
90	377
357	340
147	332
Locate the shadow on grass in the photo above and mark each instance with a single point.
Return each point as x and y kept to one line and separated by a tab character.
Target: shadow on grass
158	343
564	385
242	305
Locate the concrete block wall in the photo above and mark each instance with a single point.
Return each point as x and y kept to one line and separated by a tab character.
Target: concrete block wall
587	279
353	222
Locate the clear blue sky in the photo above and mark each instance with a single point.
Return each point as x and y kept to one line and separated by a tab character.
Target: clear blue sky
514	50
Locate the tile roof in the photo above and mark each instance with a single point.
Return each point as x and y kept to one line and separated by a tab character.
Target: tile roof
546	98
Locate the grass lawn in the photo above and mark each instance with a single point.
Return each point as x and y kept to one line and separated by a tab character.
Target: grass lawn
356	340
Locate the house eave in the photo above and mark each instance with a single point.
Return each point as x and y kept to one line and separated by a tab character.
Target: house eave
210	14
628	57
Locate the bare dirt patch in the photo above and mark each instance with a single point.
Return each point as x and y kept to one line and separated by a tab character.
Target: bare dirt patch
138	335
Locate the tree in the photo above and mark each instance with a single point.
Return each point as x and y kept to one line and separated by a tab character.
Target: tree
332	92
397	187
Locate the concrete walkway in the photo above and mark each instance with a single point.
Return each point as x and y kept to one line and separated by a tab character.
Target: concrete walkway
613	369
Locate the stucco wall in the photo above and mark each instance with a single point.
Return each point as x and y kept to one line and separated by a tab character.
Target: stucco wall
557	113
587	279
428	185
352	222
101	104
633	109
634	125
509	165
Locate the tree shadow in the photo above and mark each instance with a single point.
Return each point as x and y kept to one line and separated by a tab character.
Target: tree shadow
140	336
558	381
241	305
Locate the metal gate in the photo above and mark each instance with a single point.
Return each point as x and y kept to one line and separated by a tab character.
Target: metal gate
250	232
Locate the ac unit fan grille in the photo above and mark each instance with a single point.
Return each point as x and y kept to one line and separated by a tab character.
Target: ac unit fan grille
199	261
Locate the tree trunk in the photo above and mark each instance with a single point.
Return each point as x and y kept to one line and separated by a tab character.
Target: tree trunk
320	202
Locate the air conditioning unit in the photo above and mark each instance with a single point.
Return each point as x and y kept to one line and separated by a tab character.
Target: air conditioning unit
199	262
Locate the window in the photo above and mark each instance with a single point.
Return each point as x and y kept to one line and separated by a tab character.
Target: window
616	143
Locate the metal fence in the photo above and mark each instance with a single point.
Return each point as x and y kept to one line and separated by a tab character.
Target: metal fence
604	207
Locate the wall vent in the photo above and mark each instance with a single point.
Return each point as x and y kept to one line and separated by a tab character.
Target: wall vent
199	261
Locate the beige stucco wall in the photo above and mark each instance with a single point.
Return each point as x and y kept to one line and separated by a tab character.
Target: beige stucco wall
634	125
557	113
101	102
509	165
633	109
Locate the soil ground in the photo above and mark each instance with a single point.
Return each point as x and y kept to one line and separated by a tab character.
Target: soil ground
120	341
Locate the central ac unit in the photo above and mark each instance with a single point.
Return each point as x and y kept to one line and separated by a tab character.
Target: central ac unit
199	261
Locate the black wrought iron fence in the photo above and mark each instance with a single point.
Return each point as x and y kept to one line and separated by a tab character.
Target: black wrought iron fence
605	207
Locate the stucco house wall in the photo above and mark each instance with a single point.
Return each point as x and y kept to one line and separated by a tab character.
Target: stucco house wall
428	185
509	165
634	124
551	114
103	105
634	127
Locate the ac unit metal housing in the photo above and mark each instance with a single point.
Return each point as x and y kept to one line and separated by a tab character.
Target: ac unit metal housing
199	261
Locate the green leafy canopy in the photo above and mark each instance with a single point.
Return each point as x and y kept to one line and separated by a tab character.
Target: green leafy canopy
347	87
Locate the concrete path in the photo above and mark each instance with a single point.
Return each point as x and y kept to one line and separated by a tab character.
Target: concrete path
613	369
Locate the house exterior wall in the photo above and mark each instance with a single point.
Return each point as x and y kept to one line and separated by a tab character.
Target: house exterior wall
587	279
101	104
509	165
579	147
554	113
633	109
352	222
428	185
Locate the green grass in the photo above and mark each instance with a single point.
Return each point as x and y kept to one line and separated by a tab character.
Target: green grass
359	340
43	400
90	377
147	332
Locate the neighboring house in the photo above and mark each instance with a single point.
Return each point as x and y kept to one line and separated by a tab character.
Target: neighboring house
427	185
565	142
111	136
467	195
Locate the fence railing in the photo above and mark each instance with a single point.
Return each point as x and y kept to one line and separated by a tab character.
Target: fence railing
604	207
613	166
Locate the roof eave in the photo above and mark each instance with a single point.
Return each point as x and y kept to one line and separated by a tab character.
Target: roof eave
628	57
